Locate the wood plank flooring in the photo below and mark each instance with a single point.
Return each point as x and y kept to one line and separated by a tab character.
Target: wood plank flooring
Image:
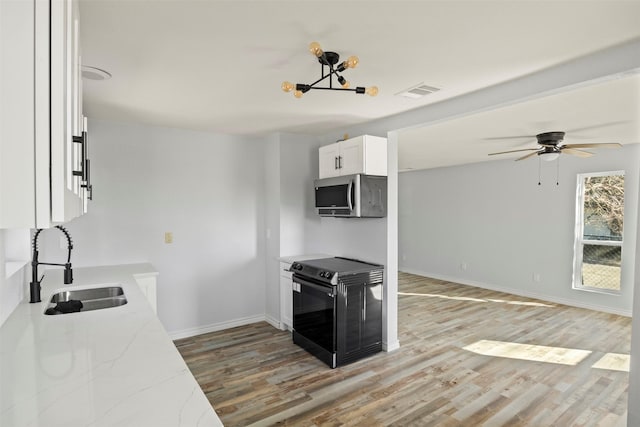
468	357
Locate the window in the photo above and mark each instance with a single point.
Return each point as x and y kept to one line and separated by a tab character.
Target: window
599	220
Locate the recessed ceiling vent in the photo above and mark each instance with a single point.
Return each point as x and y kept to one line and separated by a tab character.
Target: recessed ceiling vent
418	91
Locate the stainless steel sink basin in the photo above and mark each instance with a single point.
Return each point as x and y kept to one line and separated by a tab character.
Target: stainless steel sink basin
92	299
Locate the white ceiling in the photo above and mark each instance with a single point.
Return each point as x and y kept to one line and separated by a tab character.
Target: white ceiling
605	112
218	65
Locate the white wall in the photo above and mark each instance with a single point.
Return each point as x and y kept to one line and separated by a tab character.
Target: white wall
208	190
298	169
272	229
291	165
5	309
634	372
489	224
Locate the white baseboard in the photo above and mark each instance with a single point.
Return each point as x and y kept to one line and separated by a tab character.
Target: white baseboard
520	292
186	333
388	347
273	322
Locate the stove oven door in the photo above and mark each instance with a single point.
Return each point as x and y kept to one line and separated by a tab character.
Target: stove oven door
314	318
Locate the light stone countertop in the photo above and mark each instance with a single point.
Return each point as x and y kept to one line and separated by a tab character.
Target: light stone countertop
110	367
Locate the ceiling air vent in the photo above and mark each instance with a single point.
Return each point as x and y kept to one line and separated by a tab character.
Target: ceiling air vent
418	91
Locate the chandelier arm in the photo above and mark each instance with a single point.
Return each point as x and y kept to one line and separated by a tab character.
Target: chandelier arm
332	71
319	80
323	77
335	88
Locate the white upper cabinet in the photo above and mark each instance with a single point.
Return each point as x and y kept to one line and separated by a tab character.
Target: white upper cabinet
328	156
41	112
364	154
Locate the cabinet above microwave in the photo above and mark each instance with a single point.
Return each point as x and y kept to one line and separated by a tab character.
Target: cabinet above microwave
364	154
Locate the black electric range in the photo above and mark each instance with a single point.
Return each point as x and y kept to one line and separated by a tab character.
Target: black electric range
337	308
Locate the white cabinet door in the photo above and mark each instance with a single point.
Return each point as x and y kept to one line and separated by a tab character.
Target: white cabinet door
17	115
66	108
351	158
286	297
328	165
148	285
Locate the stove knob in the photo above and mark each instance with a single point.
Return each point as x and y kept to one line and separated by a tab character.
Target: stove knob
298	267
322	274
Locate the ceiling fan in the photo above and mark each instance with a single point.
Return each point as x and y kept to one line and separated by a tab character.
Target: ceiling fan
550	147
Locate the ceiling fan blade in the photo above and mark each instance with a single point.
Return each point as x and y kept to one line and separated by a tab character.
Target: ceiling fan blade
514	151
498	138
575	152
527	156
597	145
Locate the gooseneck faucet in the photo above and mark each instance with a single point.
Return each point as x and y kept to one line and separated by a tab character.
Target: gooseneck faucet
34	286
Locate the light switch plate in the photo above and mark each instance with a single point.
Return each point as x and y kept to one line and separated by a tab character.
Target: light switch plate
168	237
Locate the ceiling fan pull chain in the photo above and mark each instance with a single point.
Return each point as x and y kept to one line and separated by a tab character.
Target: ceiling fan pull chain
539	160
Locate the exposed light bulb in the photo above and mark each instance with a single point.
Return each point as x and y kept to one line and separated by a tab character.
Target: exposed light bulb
352	62
315	49
372	91
297	94
287	86
346	84
343	82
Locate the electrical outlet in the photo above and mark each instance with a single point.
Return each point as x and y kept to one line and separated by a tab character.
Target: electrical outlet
168	237
463	266
536	277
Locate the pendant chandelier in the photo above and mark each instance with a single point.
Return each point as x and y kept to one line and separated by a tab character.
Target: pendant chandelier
329	60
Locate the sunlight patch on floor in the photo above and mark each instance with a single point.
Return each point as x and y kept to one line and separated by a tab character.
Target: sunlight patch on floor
614	362
528	303
443	297
535	353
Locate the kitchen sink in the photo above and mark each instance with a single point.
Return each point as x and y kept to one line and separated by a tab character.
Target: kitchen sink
86	300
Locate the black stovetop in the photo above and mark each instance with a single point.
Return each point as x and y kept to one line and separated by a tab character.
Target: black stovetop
340	265
328	270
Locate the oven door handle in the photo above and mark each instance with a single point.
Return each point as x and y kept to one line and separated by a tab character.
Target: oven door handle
329	290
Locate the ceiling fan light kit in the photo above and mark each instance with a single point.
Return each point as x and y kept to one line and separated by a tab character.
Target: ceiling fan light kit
330	60
549	156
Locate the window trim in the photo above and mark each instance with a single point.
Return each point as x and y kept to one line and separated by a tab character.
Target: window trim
579	242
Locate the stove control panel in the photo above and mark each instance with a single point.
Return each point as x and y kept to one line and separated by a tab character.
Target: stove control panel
310	271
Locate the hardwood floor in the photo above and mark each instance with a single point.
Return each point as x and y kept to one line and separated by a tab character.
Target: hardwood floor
468	357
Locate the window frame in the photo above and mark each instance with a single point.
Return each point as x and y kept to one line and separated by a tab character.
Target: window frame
579	241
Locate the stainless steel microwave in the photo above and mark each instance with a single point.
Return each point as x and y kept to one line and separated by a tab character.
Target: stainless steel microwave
352	196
